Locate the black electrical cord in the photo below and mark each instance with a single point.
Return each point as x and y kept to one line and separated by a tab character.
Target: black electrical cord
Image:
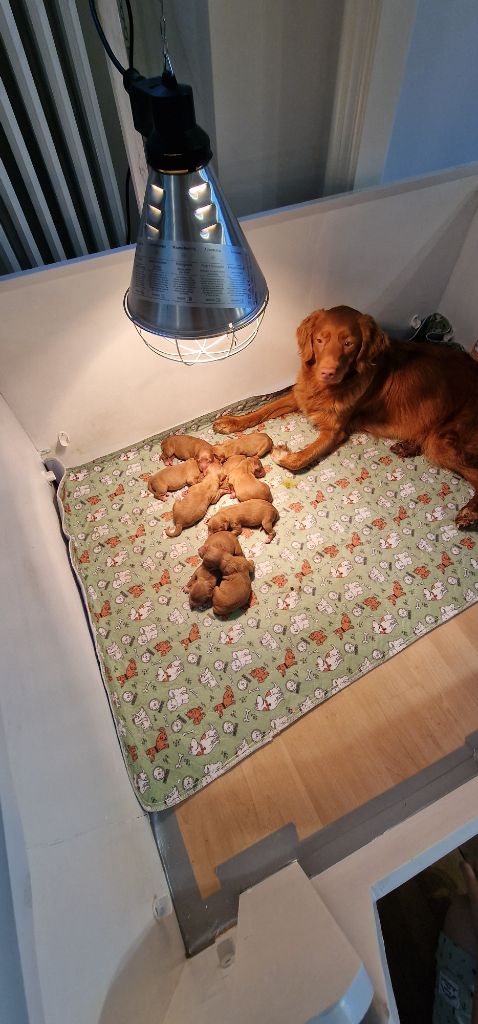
127	206
128	172
122	70
99	29
131	33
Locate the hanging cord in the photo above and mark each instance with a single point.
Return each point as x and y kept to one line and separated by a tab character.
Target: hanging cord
99	29
168	71
130	33
121	69
128	172
127	206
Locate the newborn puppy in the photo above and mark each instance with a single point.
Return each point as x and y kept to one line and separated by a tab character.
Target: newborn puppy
247	513
222	542
244	482
234	590
201	586
233	462
173	478
185	447
248	444
196	502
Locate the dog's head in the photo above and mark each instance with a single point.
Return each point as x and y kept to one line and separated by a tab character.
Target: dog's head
215	471
255	466
334	343
201	593
205	457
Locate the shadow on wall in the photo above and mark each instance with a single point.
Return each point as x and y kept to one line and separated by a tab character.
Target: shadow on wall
435	121
143	987
436	260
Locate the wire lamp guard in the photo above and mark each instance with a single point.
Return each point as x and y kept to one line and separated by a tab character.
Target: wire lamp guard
197	293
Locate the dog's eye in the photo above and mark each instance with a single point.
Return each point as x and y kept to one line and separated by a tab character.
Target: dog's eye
348	342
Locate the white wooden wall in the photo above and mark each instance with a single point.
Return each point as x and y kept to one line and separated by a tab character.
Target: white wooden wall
80	847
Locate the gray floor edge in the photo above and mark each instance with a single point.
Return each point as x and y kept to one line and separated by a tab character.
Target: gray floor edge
202	920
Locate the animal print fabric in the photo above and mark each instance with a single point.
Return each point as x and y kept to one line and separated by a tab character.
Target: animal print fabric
367	558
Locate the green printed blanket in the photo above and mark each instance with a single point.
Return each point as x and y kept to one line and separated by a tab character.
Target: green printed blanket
366	559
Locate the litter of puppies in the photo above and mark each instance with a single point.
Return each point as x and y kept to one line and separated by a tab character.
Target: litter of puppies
223	578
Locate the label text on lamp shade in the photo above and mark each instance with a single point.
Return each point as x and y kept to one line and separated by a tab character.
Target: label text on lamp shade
193	274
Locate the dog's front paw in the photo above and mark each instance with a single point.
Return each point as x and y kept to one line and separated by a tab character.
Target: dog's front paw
405	449
282	456
467	518
227	424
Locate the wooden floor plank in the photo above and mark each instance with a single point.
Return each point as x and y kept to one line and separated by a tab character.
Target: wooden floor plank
398	719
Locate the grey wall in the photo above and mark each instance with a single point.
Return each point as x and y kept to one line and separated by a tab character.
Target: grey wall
264	79
436	122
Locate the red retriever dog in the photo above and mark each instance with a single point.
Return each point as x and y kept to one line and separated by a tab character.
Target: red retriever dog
353	377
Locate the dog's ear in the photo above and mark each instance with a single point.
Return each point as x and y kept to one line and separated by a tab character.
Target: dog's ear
374	343
305	336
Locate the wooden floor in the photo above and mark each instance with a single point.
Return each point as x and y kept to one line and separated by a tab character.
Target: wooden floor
392	723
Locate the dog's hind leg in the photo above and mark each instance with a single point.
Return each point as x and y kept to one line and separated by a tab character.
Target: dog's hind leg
468	515
445	450
268	525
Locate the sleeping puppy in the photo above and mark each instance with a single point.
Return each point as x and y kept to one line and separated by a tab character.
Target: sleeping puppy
195	504
234	589
247	513
185	447
222	543
201	586
173	478
354	378
244	482
250	444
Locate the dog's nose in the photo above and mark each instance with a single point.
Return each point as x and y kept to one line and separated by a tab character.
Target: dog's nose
327	372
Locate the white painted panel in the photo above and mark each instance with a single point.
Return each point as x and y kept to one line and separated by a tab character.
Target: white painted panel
350	887
349	890
292	957
70	360
86	864
20	886
56	669
101	954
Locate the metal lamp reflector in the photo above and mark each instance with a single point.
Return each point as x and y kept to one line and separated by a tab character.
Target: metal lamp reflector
196	285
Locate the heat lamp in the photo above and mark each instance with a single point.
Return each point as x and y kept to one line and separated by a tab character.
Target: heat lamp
197	293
